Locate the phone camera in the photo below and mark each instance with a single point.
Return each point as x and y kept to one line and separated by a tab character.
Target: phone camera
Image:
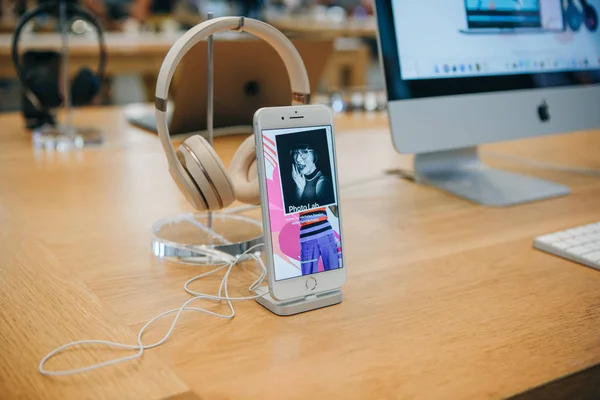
282	118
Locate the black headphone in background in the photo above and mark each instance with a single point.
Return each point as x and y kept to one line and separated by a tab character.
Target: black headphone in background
587	16
590	16
41	86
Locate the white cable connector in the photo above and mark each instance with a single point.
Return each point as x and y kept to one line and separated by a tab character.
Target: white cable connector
222	295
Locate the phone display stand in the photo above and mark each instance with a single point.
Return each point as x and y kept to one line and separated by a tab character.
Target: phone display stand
202	238
297	306
65	137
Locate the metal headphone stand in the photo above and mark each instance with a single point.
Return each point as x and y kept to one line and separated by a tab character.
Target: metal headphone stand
201	237
67	136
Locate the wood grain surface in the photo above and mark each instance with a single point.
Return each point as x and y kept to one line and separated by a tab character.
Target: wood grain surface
350	27
44	305
149	50
445	299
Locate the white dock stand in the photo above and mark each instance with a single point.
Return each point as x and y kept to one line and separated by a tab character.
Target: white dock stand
297	306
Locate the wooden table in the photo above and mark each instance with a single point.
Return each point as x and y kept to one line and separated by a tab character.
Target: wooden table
140	54
144	53
444	299
126	53
306	24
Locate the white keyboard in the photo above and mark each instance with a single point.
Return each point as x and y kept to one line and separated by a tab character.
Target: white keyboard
580	244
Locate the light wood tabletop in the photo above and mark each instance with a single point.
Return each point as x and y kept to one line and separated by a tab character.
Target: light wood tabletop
444	299
306	24
126	53
143	54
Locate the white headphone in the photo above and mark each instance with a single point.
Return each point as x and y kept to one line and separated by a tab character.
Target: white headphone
196	167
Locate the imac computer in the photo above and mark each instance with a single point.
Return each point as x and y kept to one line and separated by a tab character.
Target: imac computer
460	73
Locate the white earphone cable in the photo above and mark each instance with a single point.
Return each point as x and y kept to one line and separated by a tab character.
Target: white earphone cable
223	294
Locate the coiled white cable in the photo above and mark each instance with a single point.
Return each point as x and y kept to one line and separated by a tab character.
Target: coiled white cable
222	295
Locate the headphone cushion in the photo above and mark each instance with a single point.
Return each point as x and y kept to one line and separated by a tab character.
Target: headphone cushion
186	185
84	87
44	86
590	17
208	172
243	172
573	16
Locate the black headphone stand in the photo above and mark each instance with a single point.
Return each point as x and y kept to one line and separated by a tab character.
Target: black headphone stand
65	136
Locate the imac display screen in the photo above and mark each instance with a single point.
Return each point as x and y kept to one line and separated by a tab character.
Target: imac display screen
526	43
513	14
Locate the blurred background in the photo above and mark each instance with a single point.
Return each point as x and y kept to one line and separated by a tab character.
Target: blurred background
140	32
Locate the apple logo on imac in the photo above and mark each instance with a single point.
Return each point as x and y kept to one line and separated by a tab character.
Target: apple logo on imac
543	112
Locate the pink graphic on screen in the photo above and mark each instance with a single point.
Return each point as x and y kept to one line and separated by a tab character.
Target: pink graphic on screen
301	191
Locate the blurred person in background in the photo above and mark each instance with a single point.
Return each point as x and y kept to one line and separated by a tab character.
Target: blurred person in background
113	13
357	8
248	8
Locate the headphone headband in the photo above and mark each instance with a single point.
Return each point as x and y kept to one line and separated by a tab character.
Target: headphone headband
72	8
290	56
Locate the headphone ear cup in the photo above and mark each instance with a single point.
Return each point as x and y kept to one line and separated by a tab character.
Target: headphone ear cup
207	171
243	172
44	86
84	87
186	185
573	16
590	18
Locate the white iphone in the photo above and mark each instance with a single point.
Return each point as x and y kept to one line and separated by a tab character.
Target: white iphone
301	214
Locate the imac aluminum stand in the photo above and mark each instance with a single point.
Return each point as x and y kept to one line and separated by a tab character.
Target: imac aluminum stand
462	173
297	306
